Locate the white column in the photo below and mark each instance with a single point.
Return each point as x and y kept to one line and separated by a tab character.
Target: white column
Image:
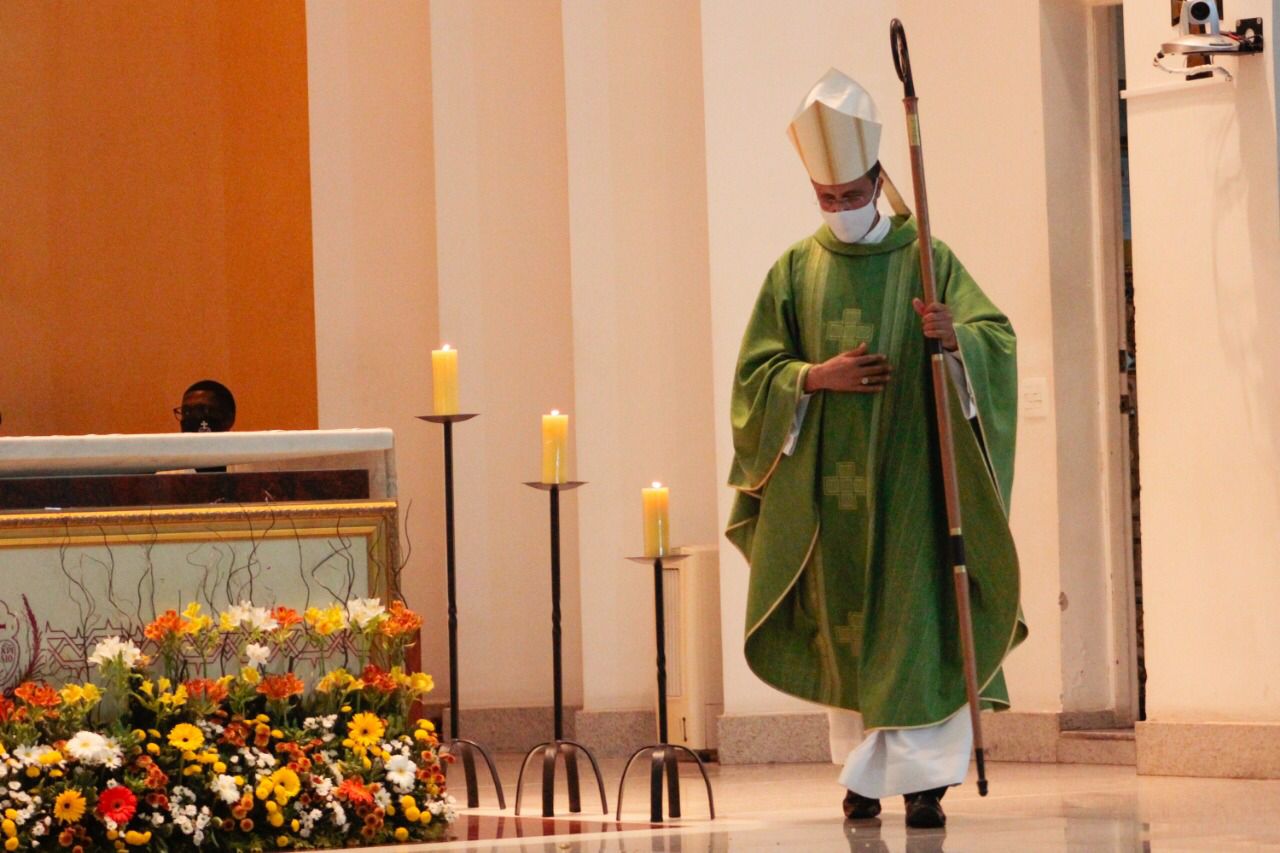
641	316
503	230
373	221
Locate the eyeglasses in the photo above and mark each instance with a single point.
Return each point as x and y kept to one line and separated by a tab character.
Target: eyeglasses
181	412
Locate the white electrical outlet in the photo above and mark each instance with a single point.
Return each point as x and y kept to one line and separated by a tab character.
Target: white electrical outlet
1034	393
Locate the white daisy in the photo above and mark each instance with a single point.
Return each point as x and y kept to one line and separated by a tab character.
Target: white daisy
400	773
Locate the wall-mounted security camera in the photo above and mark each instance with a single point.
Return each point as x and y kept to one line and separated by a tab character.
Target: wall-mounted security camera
1200	35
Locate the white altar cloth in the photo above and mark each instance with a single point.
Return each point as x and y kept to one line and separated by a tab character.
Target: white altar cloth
65	455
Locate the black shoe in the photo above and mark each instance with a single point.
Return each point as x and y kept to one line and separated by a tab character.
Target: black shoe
924	809
858	807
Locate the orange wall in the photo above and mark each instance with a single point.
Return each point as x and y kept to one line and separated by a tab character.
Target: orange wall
155	214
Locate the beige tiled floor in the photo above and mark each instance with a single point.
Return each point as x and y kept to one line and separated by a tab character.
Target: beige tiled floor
1031	808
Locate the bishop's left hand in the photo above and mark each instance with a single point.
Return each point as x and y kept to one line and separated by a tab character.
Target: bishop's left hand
938	324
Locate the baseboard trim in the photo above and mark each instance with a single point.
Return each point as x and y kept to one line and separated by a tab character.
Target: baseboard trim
788	738
615	734
510	729
1221	750
1021	736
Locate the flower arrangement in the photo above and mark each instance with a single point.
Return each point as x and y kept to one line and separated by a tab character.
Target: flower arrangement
167	751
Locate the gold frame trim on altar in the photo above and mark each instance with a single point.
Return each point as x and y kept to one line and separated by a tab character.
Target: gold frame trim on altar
374	520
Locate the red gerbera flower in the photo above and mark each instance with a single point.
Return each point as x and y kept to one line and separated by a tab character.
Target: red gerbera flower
117	804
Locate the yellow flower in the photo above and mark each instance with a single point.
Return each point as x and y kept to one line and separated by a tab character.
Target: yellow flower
147	687
249	675
137	839
11	844
401	833
69	807
51	757
287	783
92	694
420	682
196	622
336	680
186	737
283	783
366	729
176	699
327	621
71	694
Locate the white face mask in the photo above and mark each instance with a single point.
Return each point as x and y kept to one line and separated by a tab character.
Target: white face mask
850	226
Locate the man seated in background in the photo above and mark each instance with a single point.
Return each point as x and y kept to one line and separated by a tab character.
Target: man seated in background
207	406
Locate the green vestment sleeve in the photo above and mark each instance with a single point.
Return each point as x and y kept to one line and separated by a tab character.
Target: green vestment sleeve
988	348
769	383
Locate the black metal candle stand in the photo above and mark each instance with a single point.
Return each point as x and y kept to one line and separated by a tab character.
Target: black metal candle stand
664	756
558	747
457	747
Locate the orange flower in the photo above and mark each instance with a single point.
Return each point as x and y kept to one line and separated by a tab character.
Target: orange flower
280	687
164	626
377	679
353	791
236	733
286	617
401	620
38	694
6	708
206	688
157	779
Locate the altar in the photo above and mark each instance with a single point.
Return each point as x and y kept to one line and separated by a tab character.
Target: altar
100	534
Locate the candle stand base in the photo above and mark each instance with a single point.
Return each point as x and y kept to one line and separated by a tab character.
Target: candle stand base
465	751
552	751
665	759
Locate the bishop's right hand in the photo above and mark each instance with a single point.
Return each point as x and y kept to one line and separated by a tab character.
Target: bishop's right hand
851	372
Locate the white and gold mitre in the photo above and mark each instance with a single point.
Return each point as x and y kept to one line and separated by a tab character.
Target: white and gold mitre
836	130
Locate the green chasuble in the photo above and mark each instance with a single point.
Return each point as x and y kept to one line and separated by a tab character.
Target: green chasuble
852	601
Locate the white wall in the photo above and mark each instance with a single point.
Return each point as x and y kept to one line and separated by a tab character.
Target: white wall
641	315
372	180
983	120
1206	256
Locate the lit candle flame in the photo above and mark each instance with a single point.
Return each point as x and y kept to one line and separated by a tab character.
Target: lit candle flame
555	411
657	485
446	347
